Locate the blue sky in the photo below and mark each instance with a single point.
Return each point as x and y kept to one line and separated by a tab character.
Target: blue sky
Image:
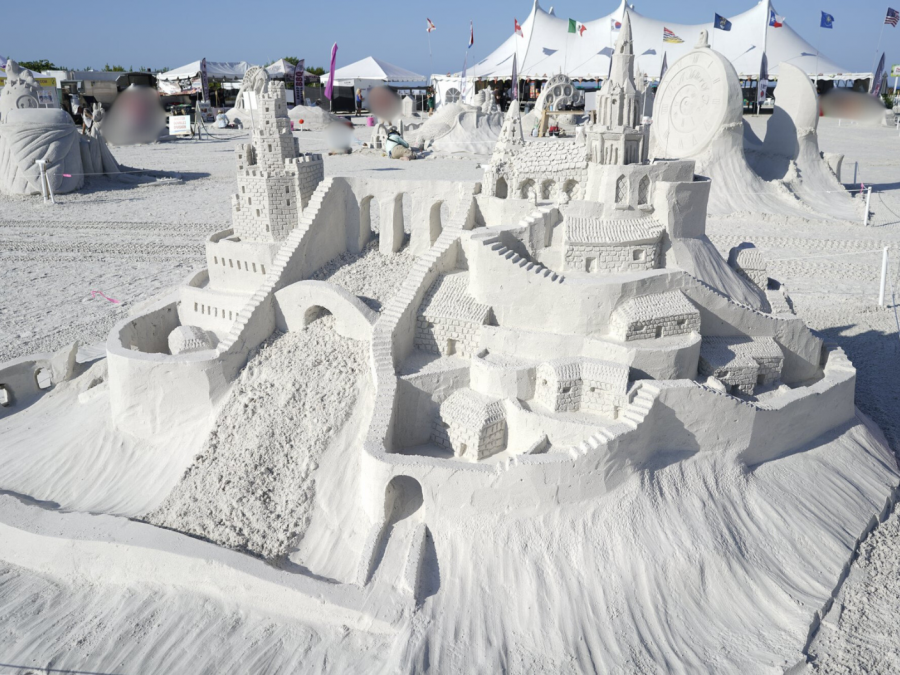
168	33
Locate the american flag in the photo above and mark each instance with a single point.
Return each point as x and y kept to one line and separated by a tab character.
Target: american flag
892	17
669	36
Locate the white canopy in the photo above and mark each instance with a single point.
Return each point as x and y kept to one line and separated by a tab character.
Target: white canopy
375	70
547	48
215	70
284	69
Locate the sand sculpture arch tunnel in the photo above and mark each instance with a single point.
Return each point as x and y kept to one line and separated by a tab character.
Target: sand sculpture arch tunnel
413	211
301	303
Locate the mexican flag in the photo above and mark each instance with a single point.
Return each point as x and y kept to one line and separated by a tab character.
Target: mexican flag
577	27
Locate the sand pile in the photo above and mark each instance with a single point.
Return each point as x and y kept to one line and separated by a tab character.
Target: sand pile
370	274
861	633
314	119
252	486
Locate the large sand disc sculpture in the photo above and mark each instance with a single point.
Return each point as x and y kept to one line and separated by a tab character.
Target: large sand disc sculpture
698	115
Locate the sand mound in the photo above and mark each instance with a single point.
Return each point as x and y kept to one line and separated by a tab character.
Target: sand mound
314	119
371	275
252	486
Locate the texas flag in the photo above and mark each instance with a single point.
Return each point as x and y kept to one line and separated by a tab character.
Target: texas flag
429	27
517	28
577	27
774	20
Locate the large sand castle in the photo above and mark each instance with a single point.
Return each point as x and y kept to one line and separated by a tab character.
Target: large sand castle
548	382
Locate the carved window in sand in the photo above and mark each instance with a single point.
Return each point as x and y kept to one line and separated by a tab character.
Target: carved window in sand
644	190
621	190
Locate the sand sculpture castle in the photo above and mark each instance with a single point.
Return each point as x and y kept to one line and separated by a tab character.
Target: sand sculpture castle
565	328
569	379
570	297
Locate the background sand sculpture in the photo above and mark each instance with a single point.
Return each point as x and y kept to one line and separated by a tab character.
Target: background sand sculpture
698	115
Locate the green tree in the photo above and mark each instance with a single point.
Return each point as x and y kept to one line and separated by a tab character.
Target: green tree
293	60
40	65
316	70
113	69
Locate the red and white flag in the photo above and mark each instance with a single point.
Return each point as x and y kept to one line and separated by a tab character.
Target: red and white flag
518	29
471	34
430	27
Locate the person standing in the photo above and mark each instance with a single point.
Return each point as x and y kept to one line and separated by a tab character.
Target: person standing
359	101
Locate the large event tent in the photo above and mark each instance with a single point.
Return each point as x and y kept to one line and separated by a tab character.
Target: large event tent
370	72
547	48
186	79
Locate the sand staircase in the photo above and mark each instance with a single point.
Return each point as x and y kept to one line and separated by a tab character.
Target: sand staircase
528	266
628	420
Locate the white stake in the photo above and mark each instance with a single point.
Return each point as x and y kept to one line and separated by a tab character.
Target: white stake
868	197
884	266
41	163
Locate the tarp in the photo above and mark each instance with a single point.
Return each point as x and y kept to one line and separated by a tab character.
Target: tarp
216	70
374	69
547	48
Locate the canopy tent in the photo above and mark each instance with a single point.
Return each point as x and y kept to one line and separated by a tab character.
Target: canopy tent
370	72
281	70
186	79
215	70
547	48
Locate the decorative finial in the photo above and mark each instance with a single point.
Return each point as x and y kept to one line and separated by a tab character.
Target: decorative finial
703	42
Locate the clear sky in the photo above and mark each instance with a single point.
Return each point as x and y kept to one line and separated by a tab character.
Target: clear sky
169	33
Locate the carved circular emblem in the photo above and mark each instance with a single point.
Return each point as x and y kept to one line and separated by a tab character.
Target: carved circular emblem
691	105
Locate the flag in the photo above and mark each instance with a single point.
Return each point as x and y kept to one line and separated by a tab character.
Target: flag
722	23
882	90
515	81
892	17
576	27
665	66
763	85
669	36
616	25
298	82
517	29
827	20
879	71
329	88
774	20
471	34
428	25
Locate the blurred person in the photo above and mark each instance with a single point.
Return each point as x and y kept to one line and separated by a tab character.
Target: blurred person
359	101
396	147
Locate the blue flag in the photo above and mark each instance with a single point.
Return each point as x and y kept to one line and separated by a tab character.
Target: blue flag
722	23
827	20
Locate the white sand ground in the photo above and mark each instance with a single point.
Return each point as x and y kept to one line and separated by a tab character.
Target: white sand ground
696	566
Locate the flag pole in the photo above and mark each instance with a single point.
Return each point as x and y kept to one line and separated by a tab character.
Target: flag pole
878	47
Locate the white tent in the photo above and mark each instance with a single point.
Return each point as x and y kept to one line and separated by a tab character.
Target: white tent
186	79
370	72
546	48
215	70
282	69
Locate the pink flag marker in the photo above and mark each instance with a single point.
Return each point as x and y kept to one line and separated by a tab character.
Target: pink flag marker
329	88
94	294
